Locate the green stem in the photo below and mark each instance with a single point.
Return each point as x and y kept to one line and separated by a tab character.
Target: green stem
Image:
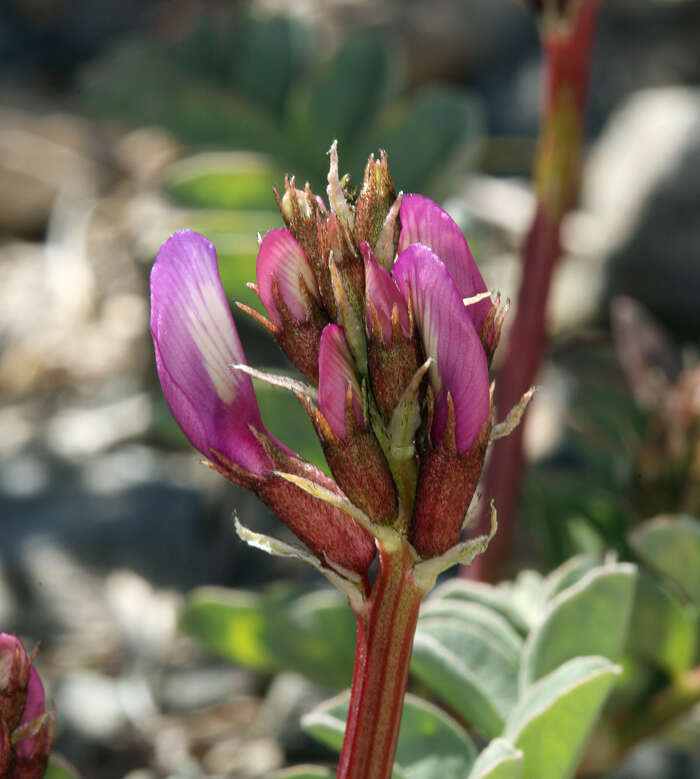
386	624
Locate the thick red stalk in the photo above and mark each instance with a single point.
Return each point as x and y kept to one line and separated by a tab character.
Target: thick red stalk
557	165
386	624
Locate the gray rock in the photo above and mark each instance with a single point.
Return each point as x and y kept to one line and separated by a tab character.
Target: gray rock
643	188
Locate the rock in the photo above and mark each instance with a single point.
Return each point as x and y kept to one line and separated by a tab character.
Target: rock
642	186
89	703
184	690
40	156
288	698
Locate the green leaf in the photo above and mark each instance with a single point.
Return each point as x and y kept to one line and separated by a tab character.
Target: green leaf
303	772
59	768
143	85
590	617
495	624
671	547
233	624
496	598
500	760
270	632
470	663
568	573
431	139
224	180
527	594
266	58
661	629
339	99
431	743
553	719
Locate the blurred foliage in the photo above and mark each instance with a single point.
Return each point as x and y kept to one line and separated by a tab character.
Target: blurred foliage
311	633
262	85
527	663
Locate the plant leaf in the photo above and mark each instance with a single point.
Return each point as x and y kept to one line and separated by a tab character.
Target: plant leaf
471	664
500	760
59	768
227	180
312	634
303	772
590	617
496	598
671	547
662	630
431	743
554	717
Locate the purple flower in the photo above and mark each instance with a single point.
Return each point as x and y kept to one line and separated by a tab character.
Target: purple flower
405	449
26	727
196	347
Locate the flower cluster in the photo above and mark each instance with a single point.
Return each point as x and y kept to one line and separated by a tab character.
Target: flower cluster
26	727
378	302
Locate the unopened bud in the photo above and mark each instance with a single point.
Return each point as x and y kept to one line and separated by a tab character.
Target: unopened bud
26	727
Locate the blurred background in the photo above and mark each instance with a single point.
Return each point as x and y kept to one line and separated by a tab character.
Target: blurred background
122	121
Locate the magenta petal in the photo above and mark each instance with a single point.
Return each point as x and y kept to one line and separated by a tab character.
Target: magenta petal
196	344
381	291
282	259
423	221
34	707
449	337
336	371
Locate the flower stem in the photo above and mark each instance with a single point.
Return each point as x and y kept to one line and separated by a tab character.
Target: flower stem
556	179
386	624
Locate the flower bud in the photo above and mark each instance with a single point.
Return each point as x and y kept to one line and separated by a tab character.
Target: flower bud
352	451
393	351
26	727
376	198
289	291
446	486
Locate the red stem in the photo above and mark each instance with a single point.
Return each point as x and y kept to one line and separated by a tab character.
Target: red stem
385	628
556	174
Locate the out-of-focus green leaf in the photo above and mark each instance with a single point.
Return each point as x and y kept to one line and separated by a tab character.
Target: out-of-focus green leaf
431	743
267	633
496	598
224	180
143	85
568	573
471	613
266	58
671	547
661	629
590	617
554	717
500	760
339	98
469	664
527	593
58	768
303	772
430	138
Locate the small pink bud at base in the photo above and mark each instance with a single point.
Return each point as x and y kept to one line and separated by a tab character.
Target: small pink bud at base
26	728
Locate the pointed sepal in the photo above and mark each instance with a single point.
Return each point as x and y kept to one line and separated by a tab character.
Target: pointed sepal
446	485
357	463
326	530
376	198
347	581
393	350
